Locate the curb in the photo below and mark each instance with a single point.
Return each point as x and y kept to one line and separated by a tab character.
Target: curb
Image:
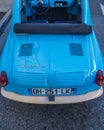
5	19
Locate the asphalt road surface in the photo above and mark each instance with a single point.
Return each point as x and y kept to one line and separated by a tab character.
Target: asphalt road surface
5	5
82	116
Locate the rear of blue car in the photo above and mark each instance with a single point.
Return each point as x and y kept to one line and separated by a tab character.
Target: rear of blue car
52	61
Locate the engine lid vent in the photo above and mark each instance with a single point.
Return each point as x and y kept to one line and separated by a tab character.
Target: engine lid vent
76	49
26	50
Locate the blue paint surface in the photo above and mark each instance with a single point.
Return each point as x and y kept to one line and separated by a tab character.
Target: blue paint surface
51	61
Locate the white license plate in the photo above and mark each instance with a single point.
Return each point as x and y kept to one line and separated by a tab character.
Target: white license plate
66	91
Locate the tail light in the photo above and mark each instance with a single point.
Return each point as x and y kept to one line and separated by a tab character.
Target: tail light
99	78
3	79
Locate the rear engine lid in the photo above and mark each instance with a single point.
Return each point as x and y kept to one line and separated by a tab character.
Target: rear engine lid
51	61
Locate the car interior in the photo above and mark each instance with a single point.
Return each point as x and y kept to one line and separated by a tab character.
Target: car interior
51	11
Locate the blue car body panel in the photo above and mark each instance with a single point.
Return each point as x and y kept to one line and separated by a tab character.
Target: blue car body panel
51	61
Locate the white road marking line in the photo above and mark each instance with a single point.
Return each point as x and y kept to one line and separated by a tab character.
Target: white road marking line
102	8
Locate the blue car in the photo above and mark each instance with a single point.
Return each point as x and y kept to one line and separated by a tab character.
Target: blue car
51	55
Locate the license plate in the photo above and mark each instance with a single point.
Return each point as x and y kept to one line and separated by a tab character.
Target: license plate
66	91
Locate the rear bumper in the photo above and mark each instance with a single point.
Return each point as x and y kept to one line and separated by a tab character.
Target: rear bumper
58	99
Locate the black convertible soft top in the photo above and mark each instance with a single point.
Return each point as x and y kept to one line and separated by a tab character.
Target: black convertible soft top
52	28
